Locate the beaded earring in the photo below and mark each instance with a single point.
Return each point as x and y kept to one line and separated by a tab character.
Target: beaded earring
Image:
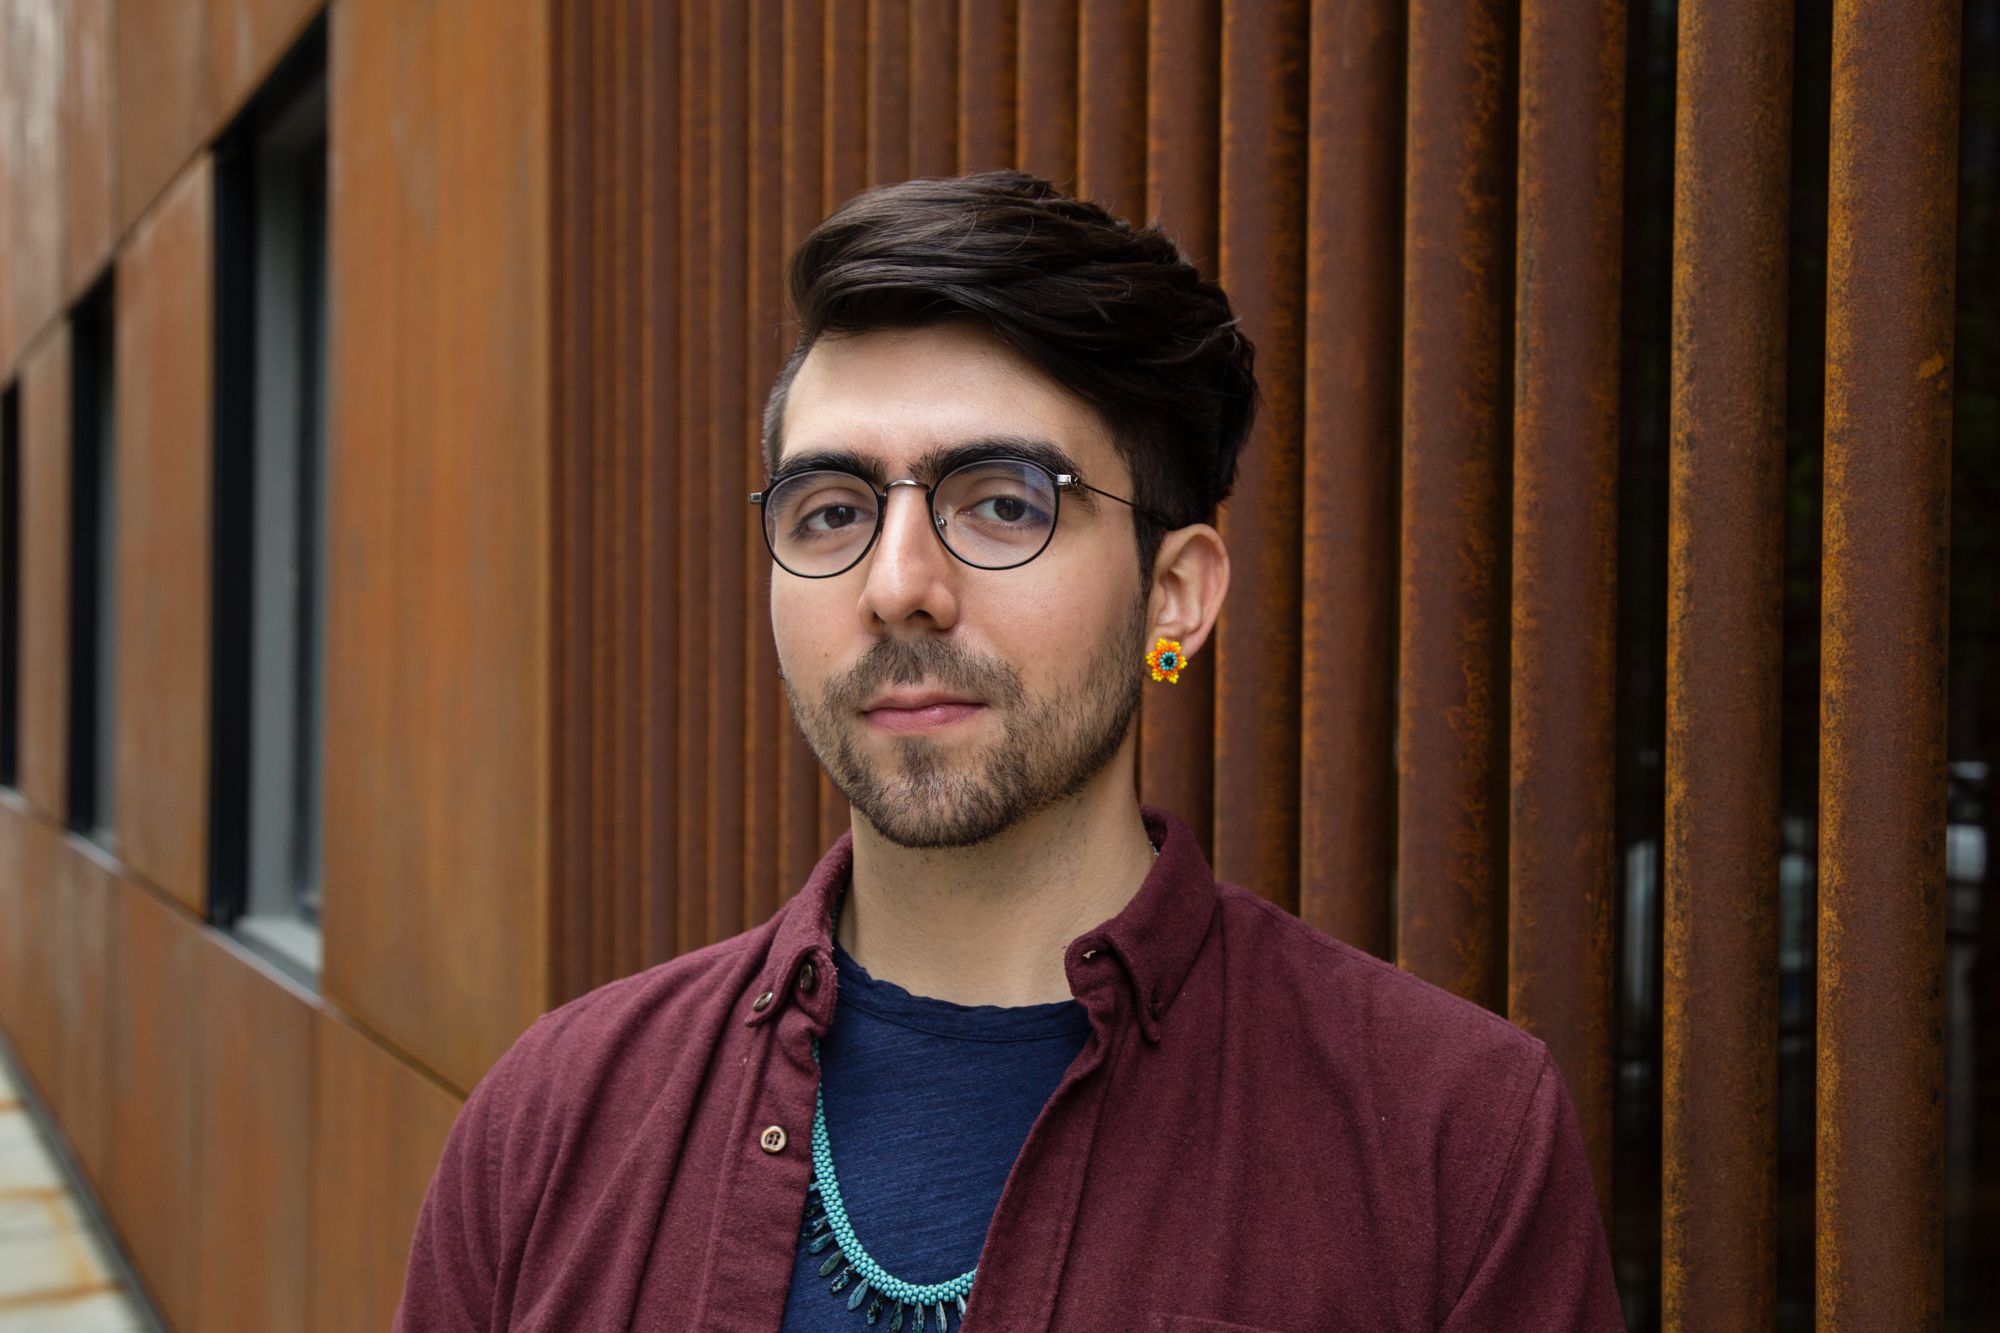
1166	660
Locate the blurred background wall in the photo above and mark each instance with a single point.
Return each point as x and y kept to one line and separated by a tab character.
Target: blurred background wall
383	649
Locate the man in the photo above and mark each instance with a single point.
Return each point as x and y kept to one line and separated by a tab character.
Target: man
1011	1057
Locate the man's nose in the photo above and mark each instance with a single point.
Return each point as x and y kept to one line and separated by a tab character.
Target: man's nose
909	576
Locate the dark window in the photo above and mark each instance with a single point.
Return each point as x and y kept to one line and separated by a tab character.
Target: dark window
92	562
10	586
269	481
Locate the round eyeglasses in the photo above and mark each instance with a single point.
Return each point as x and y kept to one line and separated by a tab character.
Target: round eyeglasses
994	513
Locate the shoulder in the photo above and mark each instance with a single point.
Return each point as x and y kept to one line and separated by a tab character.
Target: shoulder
1415	1043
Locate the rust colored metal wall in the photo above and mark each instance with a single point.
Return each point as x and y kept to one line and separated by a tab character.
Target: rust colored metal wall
1726	570
559	751
1891	225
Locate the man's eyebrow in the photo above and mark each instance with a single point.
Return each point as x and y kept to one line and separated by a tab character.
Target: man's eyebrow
1049	454
868	469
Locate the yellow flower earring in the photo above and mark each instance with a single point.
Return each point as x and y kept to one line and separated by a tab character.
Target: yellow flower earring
1167	659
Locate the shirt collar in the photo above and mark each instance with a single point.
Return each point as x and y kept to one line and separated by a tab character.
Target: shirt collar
1153	942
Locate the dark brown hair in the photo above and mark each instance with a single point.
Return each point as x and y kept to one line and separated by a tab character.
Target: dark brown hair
1115	314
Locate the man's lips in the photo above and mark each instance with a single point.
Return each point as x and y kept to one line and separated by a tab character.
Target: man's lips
906	714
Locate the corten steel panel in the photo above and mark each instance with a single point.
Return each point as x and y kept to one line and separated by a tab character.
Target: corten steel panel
1111	105
82	1086
246	38
889	76
1561	752
160	713
987	36
799	776
378	1128
14	817
89	208
1725	586
1354	260
693	500
846	115
44	891
1183	127
1458	271
253	1146
437	807
44	702
1262	230
766	722
160	96
933	88
11	338
1045	96
729	529
32	178
151	1176
1891	223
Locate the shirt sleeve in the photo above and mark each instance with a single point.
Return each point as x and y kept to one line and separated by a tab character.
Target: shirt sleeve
449	1284
1545	1267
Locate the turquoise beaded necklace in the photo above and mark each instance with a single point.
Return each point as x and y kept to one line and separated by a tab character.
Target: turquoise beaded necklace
827	1224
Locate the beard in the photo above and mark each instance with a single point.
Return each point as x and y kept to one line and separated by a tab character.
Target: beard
1050	746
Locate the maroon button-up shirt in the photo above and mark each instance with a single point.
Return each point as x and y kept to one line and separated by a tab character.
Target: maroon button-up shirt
1265	1130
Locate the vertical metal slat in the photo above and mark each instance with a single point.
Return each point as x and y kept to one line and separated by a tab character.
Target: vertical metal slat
1724	633
1892	218
1561	748
1354	298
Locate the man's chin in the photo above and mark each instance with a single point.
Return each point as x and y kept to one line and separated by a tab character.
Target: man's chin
939	810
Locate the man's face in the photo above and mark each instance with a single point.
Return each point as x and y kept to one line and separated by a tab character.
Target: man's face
950	702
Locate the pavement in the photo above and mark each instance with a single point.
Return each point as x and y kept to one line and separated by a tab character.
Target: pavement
59	1270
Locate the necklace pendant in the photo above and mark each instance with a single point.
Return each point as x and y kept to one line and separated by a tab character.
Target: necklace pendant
875	1308
841	1281
860	1294
833	1261
896	1320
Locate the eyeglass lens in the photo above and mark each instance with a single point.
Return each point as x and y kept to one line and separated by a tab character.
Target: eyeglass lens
993	514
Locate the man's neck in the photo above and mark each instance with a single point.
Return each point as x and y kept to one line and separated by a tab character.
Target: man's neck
989	924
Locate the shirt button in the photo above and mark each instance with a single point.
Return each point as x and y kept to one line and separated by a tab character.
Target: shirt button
772	1140
808	978
761	1003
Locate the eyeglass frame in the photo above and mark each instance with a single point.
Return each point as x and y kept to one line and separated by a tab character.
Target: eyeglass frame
1061	481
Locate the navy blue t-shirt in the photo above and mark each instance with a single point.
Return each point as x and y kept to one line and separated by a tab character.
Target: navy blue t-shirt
927	1106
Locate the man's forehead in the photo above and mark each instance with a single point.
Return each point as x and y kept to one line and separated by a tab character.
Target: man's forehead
908	398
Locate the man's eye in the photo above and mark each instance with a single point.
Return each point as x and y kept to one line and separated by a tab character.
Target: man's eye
1004	508
830	517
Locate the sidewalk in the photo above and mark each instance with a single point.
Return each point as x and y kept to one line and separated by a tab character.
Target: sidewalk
58	1273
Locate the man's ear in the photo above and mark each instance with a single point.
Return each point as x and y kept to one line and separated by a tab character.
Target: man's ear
1190	579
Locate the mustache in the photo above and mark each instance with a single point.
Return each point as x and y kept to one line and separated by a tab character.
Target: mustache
893	661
